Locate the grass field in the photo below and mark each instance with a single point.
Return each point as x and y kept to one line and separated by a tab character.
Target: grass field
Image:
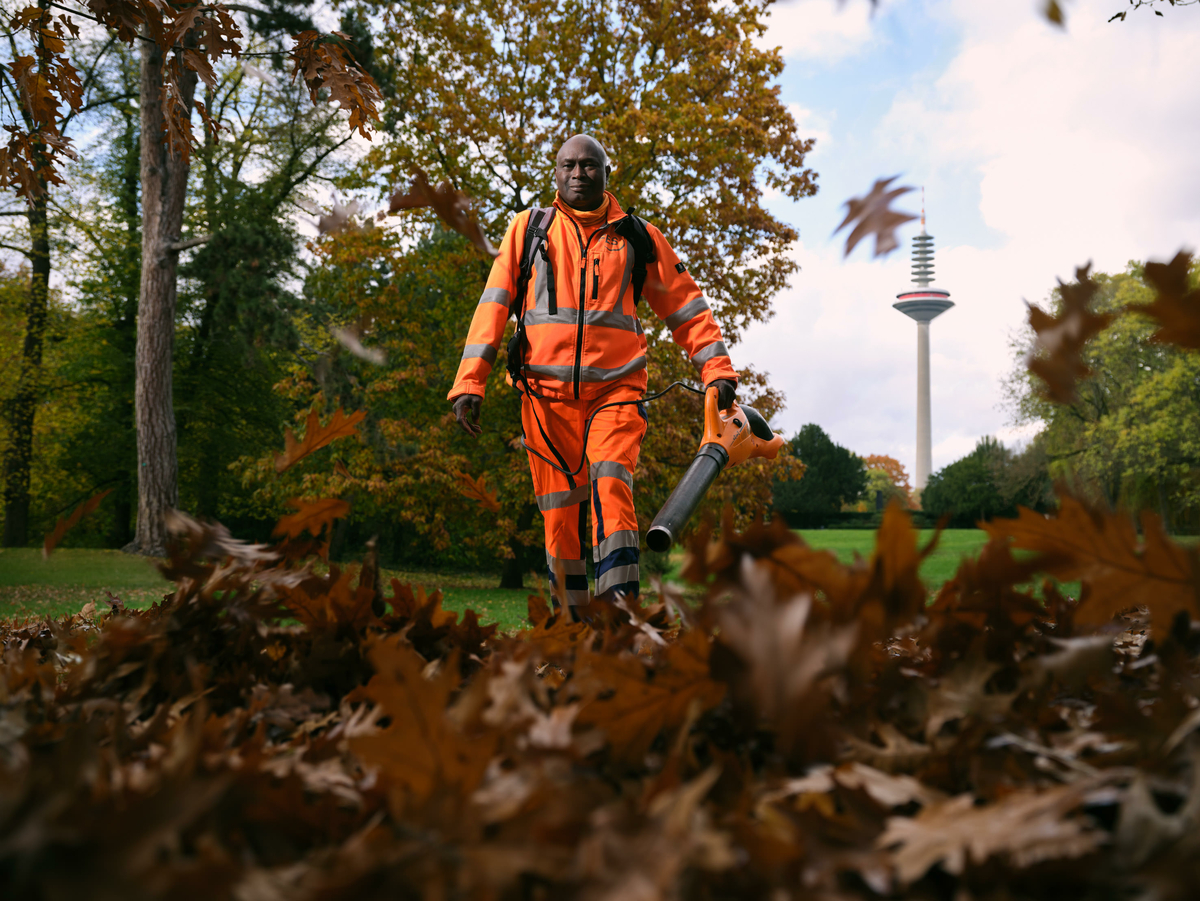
33	587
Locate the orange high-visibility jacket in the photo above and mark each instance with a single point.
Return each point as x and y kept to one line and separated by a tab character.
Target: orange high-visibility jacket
595	342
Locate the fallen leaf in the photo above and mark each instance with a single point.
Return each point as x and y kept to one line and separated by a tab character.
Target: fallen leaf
1024	828
1104	550
632	707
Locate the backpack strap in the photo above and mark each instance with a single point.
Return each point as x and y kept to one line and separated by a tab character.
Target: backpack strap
633	229
536	239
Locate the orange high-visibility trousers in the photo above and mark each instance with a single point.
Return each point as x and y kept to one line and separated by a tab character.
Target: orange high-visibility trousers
605	484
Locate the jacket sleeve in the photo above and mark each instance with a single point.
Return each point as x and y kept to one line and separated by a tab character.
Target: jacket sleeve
491	314
676	298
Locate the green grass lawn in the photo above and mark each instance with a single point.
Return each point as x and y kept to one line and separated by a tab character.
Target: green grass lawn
33	587
936	570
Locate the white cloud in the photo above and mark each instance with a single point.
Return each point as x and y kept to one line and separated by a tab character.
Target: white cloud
824	30
1074	146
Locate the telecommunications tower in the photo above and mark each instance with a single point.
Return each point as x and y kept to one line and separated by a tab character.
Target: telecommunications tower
923	304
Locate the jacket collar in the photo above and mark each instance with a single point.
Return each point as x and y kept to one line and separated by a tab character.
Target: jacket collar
615	213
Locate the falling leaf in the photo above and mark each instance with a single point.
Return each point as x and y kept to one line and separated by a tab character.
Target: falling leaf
311	517
1176	307
1053	13
1057	351
874	216
348	338
1103	549
69	522
317	436
342	217
452	207
477	490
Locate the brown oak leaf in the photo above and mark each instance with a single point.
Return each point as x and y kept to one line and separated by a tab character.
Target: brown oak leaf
632	707
874	216
69	522
1176	307
1103	549
311	516
477	490
324	62
317	436
452	207
1024	828
420	755
1057	357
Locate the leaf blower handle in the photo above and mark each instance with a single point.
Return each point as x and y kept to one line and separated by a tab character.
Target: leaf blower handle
730	436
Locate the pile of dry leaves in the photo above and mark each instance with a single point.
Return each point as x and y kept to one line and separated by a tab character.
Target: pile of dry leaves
809	730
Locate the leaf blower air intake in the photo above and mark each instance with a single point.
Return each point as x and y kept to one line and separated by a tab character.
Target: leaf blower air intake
730	437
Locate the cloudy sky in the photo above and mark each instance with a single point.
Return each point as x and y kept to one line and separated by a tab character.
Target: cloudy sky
1039	149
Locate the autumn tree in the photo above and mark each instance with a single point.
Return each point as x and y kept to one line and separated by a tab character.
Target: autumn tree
886	479
1127	438
178	48
34	87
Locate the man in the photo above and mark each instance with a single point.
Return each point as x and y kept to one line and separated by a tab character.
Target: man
584	348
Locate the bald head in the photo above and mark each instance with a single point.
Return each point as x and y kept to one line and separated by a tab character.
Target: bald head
581	172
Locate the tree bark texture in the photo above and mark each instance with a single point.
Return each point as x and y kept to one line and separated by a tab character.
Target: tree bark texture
18	455
164	176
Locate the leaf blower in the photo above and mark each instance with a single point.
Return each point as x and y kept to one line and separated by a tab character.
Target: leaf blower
730	437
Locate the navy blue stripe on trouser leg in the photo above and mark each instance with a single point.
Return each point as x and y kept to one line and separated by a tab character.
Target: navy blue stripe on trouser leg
617	571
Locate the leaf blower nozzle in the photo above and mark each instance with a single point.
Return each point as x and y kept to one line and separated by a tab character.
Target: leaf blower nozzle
730	437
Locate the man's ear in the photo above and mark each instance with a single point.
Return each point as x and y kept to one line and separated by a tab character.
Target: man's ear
607	172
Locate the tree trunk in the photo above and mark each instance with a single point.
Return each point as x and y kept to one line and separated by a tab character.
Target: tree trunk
164	176
18	456
513	575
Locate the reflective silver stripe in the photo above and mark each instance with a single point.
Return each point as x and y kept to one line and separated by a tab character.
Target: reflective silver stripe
587	373
687	313
495	295
577	597
541	294
559	500
611	469
614	542
566	567
618	575
568	316
716	349
562	373
485	351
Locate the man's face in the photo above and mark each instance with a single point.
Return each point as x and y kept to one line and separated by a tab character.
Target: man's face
581	173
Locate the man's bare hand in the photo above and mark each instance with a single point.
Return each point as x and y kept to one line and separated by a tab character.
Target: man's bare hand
726	392
468	405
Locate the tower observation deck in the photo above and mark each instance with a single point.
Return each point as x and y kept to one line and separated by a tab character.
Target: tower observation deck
924	304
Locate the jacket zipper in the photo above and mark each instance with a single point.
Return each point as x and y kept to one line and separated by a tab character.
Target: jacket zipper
596	278
583	253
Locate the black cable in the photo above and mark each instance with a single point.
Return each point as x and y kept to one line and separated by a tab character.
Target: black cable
588	428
